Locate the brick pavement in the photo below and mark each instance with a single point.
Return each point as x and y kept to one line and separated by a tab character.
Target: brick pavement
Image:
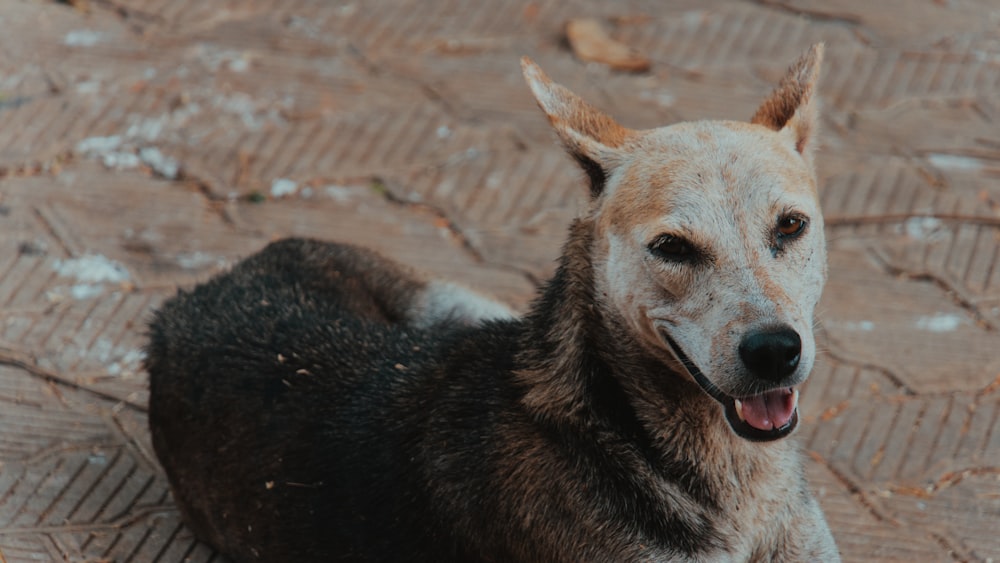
146	144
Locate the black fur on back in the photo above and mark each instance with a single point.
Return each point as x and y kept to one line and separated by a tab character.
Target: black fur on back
298	419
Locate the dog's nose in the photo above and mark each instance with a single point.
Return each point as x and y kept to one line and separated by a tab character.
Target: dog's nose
771	354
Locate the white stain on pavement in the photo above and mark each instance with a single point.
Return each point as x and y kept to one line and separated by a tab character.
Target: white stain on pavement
941	322
92	268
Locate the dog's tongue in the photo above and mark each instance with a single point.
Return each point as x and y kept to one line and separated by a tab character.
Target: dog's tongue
771	410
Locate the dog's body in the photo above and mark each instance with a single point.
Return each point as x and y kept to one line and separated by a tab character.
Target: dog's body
322	403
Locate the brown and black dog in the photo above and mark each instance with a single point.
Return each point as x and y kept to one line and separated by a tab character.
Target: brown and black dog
322	403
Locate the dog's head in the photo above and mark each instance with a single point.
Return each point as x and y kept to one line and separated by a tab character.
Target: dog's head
709	241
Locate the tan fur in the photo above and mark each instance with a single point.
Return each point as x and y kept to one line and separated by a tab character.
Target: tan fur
722	186
791	106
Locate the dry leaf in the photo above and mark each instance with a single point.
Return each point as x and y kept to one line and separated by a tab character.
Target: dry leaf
591	43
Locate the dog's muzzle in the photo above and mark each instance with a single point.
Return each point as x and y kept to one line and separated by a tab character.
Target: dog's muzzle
763	417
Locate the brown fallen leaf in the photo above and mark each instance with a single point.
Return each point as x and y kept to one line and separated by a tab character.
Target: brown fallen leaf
590	42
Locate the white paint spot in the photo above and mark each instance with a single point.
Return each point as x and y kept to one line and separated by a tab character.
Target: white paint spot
97	145
941	322
83	38
134	356
665	99
146	129
100	350
88	87
340	194
55	295
92	268
494	181
197	260
985	56
116	359
109	151
83	291
160	163
239	65
309	27
443	132
120	160
661	98
922	228
282	187
216	59
127	364
955	162
241	105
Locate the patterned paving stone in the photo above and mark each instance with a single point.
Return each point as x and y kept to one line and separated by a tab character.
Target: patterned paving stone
493	216
909	326
870	534
361	214
147	144
73	485
162	232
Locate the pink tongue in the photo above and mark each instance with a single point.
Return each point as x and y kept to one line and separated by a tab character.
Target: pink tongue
771	410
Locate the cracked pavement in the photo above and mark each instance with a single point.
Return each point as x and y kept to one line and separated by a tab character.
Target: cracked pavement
147	144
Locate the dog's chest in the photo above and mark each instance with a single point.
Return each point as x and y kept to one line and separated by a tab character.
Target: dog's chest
761	516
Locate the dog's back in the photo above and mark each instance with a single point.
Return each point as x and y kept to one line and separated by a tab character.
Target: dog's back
291	379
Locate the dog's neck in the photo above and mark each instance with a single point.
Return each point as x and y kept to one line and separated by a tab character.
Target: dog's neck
560	349
582	369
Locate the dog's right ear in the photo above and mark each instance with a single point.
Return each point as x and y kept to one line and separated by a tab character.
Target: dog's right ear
590	136
791	108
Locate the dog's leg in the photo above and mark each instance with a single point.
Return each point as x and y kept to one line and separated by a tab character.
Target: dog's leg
445	302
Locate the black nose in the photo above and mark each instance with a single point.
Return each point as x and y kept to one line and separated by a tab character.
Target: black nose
771	354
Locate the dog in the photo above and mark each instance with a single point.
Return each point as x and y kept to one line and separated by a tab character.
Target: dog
322	403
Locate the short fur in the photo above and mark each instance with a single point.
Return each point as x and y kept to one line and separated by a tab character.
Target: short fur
321	403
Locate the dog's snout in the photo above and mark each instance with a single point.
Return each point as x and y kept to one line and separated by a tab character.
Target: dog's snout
771	354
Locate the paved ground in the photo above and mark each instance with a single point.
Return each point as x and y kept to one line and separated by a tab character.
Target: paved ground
145	144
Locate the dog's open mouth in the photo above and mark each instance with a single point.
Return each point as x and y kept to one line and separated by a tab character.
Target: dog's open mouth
764	417
760	418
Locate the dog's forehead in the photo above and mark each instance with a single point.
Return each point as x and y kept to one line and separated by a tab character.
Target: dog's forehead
694	168
742	150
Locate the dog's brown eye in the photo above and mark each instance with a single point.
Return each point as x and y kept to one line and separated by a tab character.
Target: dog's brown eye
790	226
672	248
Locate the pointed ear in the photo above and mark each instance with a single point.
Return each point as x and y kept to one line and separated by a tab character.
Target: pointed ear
791	108
590	136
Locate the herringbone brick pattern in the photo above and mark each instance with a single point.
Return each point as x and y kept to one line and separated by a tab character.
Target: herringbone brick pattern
147	144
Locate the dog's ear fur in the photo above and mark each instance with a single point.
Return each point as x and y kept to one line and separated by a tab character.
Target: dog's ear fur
590	136
791	108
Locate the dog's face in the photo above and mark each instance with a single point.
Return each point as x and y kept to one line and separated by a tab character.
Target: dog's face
710	246
709	242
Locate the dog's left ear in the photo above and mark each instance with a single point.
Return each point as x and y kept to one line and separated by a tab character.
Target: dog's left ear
590	136
791	108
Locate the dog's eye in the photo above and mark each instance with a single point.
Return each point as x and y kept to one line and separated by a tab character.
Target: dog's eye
672	248
790	226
